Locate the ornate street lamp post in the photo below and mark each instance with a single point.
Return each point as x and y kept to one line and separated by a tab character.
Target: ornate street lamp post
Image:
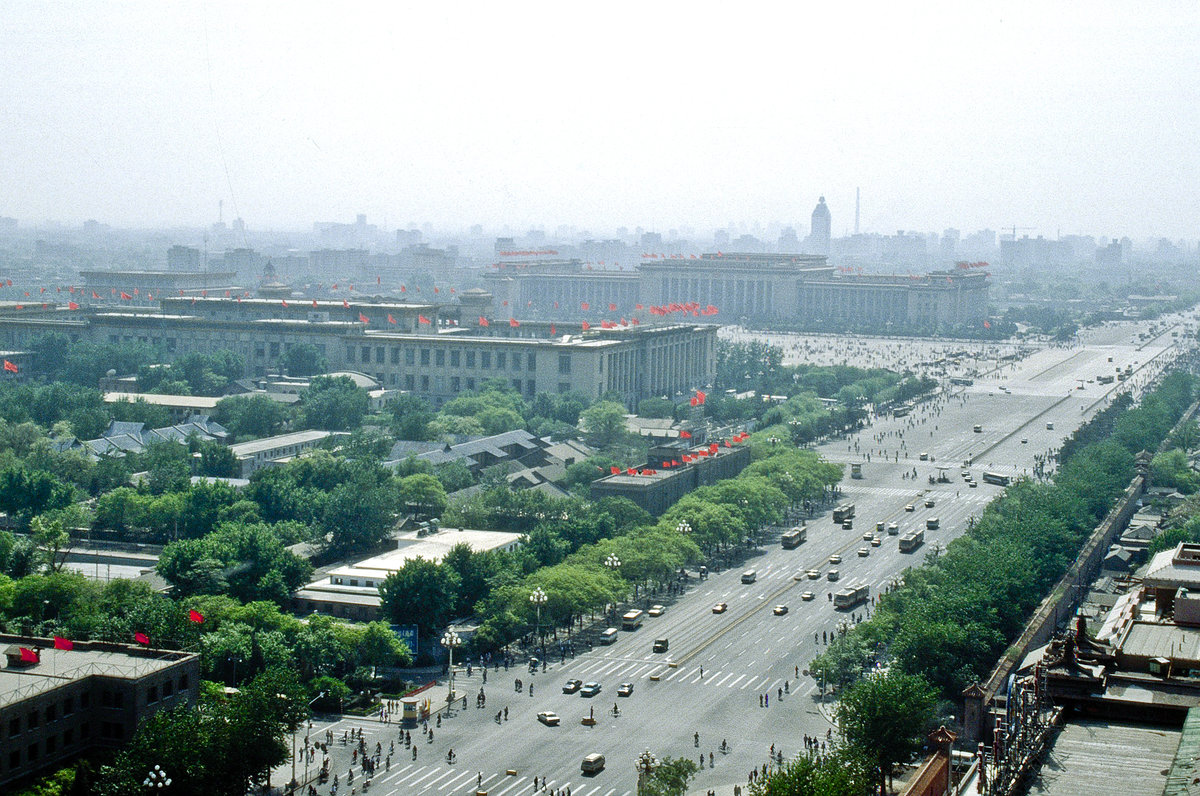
538	598
156	779
644	764
613	563
450	641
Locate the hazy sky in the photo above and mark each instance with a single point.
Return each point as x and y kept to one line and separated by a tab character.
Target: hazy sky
1080	117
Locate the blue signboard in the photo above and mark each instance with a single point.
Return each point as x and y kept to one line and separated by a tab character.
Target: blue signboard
407	634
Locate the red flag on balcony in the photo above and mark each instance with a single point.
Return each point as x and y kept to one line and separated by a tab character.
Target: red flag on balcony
28	655
391	319
685	435
420	319
71	305
513	322
11	367
141	638
483	321
61	643
195	616
586	326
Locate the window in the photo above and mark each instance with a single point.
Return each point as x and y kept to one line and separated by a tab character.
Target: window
410	356
183	683
51	713
365	354
378	355
349	353
119	699
471	384
353	581
564	386
470	359
395	356
14	726
274	350
501	360
516	361
564	363
31	720
68	736
516	384
455	384
530	388
532	363
152	695
485	360
31	752
168	688
84	700
455	359
14	759
424	384
68	706
50	744
439	358
425	357
409	381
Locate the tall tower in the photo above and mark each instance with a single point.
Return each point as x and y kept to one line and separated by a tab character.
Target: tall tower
821	226
857	197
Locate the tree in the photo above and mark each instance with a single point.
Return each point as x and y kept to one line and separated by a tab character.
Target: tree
218	461
410	417
421	593
656	407
671	778
333	403
357	517
837	772
424	493
250	416
52	538
604	423
168	465
884	718
304	359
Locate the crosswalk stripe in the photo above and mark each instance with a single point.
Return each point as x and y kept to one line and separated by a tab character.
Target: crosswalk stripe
735	682
455	780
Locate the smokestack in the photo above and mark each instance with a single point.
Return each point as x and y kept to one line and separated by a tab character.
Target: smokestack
856	198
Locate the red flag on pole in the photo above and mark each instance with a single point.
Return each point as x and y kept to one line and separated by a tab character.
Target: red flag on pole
11	367
363	318
61	643
612	307
685	435
71	305
483	321
195	616
585	306
345	304
423	319
95	295
586	326
283	302
314	300
141	638
552	330
615	470
28	655
126	296
391	319
695	401
513	322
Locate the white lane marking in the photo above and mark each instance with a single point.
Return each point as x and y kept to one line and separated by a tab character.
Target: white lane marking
735	682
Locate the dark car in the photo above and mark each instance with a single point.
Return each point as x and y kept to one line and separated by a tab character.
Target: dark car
571	686
589	690
626	689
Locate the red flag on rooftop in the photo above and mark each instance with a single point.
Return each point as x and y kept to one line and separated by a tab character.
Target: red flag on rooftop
195	616
345	304
638	307
334	286
314	300
71	305
727	444
483	321
363	318
283	302
674	462
685	435
377	279
436	290
987	325
695	401
141	638
612	307
95	295
585	306
586	326
703	396
420	319
390	318
227	295
631	471
513	322
553	331
124	295
28	655
403	289
61	643
615	470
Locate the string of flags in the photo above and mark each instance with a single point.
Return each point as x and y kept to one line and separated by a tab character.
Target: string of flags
706	451
33	655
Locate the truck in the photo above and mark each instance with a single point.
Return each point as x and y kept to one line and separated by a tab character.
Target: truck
856	471
912	540
794	538
843	512
1104	379
632	620
851	595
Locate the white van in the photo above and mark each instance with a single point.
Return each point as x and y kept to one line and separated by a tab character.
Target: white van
592	764
749	576
609	635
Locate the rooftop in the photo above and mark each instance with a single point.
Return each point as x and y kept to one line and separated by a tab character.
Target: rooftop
271	443
1103	758
1150	640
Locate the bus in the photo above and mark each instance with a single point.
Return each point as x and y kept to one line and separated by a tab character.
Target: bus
998	479
1104	379
843	512
794	538
851	596
856	470
902	411
632	620
961	381
912	540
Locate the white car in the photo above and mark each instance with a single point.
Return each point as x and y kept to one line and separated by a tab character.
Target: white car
863	552
549	718
656	610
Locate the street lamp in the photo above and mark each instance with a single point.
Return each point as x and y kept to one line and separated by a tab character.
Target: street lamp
538	598
156	778
644	764
613	563
450	641
320	695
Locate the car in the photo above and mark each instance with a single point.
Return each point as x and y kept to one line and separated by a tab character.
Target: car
807	596
879	525
973	484
571	686
656	610
868	535
863	552
625	689
1024	440
800	575
893	528
876	542
929	503
814	574
966	474
910	507
719	608
835	559
549	718
589	689
779	610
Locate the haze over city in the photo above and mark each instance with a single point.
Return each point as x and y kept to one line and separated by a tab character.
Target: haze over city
1071	119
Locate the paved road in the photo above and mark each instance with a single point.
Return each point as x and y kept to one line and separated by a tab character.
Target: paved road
731	667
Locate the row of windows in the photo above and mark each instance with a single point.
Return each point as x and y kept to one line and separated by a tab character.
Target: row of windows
109	698
428	357
50	744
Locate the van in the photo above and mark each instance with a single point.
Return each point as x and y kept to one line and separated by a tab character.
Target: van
749	576
1050	426
609	635
833	574
932	523
978	429
660	645
592	764
847	525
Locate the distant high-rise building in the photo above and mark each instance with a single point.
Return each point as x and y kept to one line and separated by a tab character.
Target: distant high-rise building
183	258
822	224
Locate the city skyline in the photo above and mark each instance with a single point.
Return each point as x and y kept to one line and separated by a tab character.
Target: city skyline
1012	115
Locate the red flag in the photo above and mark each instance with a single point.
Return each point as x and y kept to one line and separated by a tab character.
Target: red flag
71	305
61	643
552	330
124	295
283	302
345	304
615	470
420	319
483	321
377	279
630	471
701	395
666	464
28	655
612	307
674	462
987	325
685	435
364	319
513	322
227	294
586	326
638	307
585	306
727	445
314	300
435	290
713	447
695	401
11	367
95	295
141	638
390	318
334	286
195	616
403	289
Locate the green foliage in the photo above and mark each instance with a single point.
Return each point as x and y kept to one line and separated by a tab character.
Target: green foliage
25	493
304	359
333	403
420	593
656	407
1171	468
838	772
169	467
671	778
58	359
203	374
250	416
423	494
604	423
249	562
410	417
884	718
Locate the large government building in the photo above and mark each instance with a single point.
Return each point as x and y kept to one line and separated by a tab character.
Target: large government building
793	290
